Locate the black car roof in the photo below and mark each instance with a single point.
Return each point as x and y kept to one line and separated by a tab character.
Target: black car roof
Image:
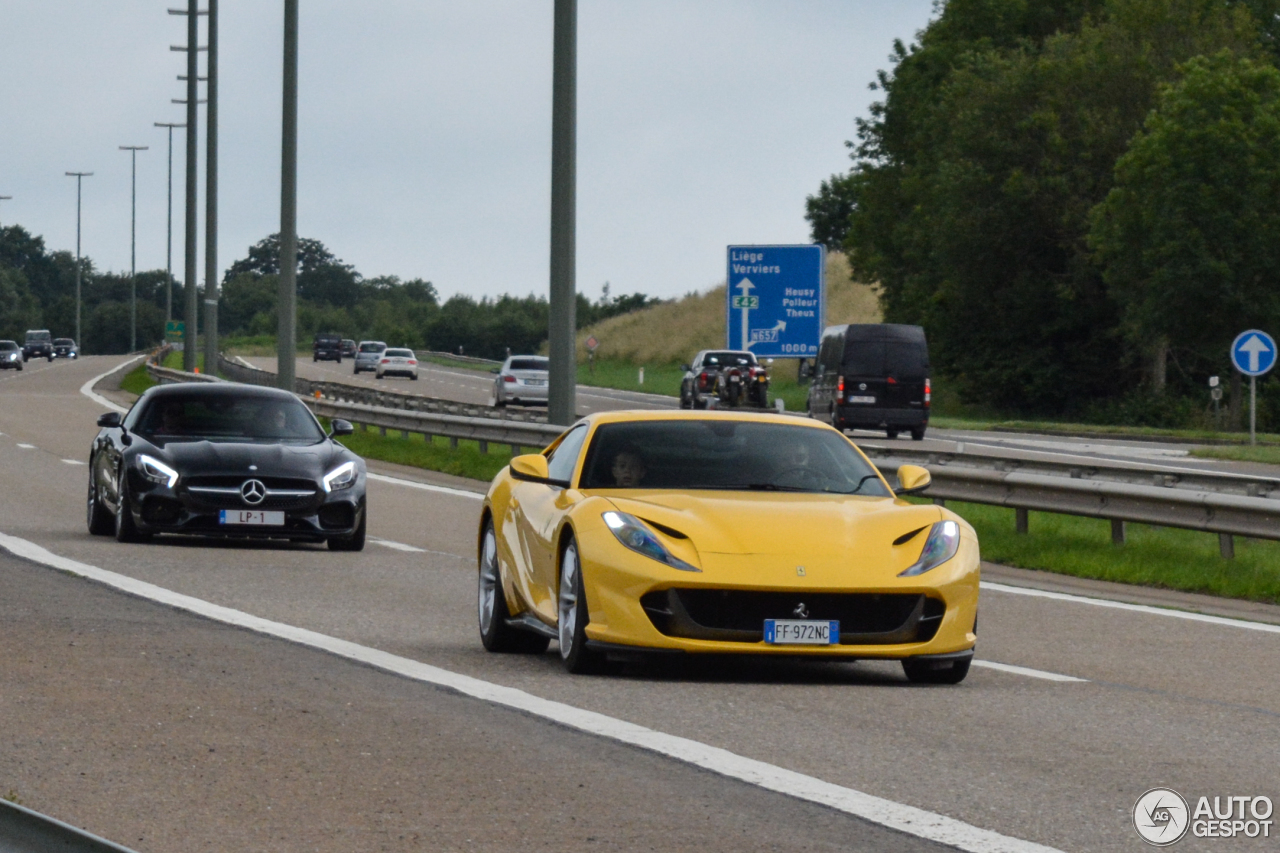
216	389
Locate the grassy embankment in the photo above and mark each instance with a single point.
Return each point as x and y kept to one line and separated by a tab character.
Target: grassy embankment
1162	557
665	336
464	461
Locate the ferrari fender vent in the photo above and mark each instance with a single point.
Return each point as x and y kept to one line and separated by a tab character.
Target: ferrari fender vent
738	615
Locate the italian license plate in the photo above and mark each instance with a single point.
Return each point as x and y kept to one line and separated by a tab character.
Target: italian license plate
269	518
856	399
801	632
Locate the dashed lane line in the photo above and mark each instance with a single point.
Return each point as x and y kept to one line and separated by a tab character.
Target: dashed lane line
397	546
1030	673
27	446
899	816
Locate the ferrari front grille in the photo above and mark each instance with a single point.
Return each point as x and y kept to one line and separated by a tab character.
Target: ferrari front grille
731	615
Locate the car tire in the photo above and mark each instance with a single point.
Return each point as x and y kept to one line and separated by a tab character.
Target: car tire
51	359
571	610
24	357
414	377
834	420
354	542
491	606
100	521
891	433
20	365
125	528
936	672
339	359
917	434
355	371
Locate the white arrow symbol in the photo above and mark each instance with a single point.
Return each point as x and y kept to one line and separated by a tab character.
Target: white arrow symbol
1254	346
746	286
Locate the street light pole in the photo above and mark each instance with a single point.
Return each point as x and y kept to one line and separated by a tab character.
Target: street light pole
287	324
562	373
79	176
191	294
133	244
211	195
5	197
168	245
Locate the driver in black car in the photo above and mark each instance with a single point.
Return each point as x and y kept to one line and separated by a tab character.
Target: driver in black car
171	419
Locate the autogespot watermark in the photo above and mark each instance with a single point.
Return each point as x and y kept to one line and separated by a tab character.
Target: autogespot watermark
1163	817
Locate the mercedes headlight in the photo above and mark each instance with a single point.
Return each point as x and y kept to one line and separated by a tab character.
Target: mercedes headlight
942	544
633	533
342	477
156	471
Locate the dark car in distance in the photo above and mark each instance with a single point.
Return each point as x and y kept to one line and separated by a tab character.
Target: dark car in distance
225	460
38	344
872	376
348	348
65	348
327	348
10	355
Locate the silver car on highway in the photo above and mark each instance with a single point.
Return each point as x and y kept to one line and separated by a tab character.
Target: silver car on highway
521	379
368	354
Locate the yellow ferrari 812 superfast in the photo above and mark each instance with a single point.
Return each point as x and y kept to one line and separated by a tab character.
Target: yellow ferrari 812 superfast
722	533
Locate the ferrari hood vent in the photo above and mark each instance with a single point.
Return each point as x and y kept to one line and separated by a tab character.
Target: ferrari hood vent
670	531
907	537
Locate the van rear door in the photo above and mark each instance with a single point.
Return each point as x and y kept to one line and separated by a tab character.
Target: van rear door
863	371
906	366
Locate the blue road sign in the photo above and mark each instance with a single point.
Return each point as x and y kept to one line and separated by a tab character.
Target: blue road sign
775	299
1253	352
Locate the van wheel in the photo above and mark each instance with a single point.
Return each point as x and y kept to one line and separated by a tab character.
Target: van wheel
917	434
892	433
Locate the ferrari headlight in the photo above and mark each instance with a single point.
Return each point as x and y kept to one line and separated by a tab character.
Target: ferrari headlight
633	533
342	477
156	471
942	544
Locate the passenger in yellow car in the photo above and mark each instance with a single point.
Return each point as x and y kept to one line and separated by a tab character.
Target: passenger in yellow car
628	469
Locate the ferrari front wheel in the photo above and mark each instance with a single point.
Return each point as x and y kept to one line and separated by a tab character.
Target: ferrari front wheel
495	633
572	613
936	672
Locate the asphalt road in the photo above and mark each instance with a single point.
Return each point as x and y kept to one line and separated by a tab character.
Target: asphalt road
134	705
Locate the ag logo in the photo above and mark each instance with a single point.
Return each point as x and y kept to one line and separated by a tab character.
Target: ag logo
1161	816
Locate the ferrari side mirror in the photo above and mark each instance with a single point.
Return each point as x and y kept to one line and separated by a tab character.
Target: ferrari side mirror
913	479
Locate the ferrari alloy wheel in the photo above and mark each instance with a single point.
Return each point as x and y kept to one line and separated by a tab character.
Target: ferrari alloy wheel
936	672
572	612
495	633
100	522
126	529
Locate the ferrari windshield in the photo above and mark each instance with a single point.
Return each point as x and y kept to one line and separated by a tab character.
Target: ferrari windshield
726	454
228	417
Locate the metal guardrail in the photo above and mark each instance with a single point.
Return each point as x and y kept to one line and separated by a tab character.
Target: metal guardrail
1207	502
1135	473
374	396
25	831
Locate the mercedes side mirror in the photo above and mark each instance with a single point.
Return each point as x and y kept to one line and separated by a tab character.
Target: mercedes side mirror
109	420
340	427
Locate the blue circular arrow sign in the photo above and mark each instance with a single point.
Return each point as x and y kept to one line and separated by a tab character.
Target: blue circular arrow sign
1253	352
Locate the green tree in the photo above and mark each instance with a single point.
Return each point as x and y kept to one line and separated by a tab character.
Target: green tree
1189	237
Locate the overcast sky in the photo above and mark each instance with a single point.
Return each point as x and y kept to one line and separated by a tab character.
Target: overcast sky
425	130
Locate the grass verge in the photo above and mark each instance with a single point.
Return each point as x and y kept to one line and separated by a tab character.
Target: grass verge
137	380
445	361
1164	557
464	461
1241	453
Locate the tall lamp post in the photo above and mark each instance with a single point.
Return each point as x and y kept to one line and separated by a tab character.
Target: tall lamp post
168	245
5	197
211	194
79	176
562	380
287	322
191	298
133	243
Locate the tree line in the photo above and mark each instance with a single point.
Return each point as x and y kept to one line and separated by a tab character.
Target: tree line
37	290
1076	198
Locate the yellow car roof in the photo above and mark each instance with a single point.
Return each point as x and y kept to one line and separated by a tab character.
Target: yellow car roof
756	416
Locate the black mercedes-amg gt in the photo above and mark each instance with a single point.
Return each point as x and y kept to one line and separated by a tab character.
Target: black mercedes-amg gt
222	459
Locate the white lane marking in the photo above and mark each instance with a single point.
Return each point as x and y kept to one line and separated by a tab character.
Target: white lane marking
904	818
27	446
396	546
74	462
1137	608
1030	673
428	487
87	388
